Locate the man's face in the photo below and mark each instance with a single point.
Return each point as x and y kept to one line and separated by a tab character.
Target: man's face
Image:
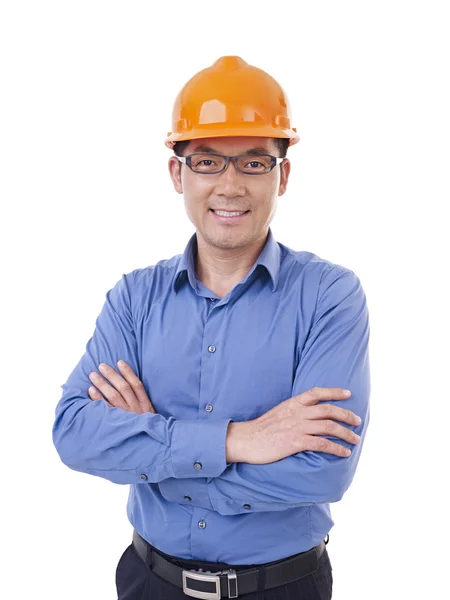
230	190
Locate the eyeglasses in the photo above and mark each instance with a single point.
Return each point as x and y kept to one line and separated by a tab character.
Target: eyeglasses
211	164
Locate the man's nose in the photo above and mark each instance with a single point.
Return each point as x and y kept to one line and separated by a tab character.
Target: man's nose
230	180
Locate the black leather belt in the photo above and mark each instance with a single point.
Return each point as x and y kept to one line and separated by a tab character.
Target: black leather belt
229	583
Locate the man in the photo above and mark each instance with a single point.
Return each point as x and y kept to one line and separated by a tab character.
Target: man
228	417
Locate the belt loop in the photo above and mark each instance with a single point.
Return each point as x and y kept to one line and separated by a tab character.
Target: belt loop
149	557
261	578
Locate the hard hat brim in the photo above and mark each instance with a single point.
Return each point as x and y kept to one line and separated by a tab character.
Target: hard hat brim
226	131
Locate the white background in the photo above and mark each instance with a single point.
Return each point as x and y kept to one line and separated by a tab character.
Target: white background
86	97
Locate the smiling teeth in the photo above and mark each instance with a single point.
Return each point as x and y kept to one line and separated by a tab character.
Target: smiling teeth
228	214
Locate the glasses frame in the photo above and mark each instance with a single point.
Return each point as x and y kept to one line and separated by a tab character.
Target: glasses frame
276	160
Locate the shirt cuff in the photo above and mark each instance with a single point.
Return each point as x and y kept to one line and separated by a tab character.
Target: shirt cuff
198	448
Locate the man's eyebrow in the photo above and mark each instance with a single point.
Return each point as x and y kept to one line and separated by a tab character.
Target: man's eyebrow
257	150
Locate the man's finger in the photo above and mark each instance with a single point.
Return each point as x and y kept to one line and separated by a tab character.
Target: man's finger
110	393
331	428
137	386
319	394
122	385
94	394
331	411
320	444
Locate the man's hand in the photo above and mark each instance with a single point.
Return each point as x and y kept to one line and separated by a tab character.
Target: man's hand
293	426
128	392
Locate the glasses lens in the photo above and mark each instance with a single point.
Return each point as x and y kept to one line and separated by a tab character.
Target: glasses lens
255	163
207	163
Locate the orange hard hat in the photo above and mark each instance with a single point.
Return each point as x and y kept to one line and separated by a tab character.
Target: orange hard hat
231	98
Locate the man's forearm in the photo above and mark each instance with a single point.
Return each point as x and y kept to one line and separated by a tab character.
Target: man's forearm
291	427
239	435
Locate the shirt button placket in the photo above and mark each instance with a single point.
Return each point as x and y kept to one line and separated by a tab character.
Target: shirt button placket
209	407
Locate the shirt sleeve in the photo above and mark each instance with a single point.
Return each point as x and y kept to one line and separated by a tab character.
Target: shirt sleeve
126	447
335	354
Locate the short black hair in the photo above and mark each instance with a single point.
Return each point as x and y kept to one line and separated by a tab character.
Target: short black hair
282	145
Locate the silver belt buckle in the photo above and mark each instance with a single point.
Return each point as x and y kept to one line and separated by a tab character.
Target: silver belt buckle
212	578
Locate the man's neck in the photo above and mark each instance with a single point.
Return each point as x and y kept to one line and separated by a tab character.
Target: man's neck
220	270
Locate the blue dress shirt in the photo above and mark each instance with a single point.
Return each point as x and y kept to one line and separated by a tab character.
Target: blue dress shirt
294	322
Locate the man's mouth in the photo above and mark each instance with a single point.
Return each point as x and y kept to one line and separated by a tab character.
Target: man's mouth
226	215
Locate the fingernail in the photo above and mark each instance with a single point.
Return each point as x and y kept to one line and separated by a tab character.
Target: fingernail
121	363
347	392
358	420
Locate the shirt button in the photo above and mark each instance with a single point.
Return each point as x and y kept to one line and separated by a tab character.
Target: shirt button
187	498
209	407
202	524
198	465
212	348
247	506
144	477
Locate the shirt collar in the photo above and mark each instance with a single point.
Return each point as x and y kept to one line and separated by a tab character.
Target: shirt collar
269	258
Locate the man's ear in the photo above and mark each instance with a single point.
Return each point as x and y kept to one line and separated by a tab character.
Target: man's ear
285	170
175	173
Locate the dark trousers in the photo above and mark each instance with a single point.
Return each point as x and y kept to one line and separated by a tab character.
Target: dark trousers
136	581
